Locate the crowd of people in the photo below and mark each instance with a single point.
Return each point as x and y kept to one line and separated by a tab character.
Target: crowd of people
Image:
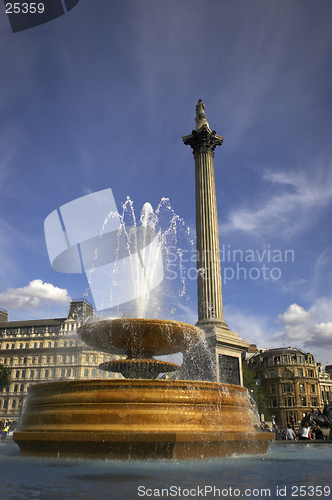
305	432
7	428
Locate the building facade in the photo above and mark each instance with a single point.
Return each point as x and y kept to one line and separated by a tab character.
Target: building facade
289	378
325	384
46	350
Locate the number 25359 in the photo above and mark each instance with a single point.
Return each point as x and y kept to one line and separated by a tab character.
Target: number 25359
25	8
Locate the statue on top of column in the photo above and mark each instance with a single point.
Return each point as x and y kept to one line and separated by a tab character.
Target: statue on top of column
200	115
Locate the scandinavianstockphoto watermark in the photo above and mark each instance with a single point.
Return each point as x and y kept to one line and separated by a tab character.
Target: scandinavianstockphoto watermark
236	264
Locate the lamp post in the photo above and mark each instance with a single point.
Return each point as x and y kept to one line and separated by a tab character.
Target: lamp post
258	380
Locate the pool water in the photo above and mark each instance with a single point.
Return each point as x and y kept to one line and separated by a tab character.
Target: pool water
286	471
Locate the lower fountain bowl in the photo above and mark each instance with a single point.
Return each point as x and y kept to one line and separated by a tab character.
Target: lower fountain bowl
139	419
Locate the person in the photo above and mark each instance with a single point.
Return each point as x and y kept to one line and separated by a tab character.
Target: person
318	433
4	432
276	432
293	423
290	434
306	432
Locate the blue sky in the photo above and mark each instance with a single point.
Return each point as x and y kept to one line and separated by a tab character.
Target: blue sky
101	97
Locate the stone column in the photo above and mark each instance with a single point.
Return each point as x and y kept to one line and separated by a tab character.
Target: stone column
226	345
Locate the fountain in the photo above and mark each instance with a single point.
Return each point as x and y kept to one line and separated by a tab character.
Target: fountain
140	415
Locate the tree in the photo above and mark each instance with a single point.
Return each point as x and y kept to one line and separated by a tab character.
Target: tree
250	384
5	379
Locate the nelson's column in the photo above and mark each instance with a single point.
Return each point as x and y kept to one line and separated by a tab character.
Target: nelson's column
226	345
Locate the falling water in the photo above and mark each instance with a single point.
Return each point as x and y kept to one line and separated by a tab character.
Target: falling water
155	241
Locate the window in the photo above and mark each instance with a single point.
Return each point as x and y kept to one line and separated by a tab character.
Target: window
302	388
286	374
46	373
69	359
35	345
274	403
23	373
285	359
14	404
74	372
21	346
40	344
299	359
271	373
93	373
273	388
49	344
22	388
31	373
288	401
304	401
86	373
62	372
5	404
270	361
13	346
313	388
94	359
17	374
74	358
37	373
63	358
27	346
87	359
15	388
68	374
287	387
300	372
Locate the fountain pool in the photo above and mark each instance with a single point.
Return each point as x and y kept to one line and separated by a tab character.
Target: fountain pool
283	466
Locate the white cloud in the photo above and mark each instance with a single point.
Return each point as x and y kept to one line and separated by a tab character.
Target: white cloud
36	294
322	335
295	314
313	327
293	208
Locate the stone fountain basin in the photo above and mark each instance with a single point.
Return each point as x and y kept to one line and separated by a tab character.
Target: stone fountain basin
140	338
139	419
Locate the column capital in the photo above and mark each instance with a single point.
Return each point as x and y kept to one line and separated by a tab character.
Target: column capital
203	140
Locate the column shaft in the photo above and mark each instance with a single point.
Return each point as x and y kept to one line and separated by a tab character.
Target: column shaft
209	284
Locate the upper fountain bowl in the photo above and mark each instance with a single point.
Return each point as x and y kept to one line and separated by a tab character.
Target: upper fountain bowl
140	338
